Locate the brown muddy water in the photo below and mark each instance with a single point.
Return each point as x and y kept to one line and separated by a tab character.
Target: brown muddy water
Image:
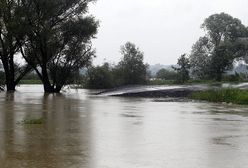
86	131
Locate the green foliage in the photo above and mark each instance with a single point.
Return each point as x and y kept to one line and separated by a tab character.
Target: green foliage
131	69
223	28
31	76
182	69
213	54
161	82
221	61
165	74
200	58
58	39
236	96
11	35
30	82
235	77
38	121
100	77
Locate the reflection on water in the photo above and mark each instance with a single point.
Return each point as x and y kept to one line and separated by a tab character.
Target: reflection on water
85	131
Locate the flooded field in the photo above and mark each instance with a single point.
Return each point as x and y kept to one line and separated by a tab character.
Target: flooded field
81	130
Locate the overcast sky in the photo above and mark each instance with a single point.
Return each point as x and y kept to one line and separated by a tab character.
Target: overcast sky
162	29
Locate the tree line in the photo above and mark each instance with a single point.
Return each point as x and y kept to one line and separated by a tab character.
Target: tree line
54	40
224	42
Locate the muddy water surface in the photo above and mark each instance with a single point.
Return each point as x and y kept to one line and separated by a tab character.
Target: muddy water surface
86	131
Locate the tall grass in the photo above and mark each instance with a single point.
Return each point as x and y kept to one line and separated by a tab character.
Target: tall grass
236	96
32	121
30	82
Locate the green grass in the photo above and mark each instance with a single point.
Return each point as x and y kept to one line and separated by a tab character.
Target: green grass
38	121
190	82
236	96
30	82
161	82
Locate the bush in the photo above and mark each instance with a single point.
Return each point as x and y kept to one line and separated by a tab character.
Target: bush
100	77
165	74
235	77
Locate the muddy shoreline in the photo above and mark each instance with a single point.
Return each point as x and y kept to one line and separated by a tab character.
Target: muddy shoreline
154	92
174	93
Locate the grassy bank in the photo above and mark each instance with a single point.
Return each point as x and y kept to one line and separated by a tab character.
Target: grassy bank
30	82
161	82
235	96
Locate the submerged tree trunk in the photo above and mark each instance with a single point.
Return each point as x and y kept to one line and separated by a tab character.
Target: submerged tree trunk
11	78
9	74
46	82
48	87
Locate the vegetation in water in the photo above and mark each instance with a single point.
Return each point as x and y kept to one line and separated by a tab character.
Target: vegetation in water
38	121
236	96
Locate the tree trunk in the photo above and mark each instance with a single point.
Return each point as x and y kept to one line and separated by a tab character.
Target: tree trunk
46	83
11	83
219	76
58	89
10	86
9	75
48	88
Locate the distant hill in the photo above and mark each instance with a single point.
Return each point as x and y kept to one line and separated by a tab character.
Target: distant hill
155	68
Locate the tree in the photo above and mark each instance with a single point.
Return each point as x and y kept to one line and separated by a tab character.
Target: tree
183	68
10	31
220	44
200	58
131	69
58	40
222	28
166	74
220	62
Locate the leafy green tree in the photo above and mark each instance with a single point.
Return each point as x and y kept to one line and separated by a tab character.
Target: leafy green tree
166	74
221	61
182	69
222	28
200	58
214	53
58	40
131	69
10	34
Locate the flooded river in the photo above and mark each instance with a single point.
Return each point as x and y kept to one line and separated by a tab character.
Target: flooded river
86	131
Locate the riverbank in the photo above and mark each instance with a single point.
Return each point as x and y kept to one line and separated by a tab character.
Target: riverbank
235	96
155	91
229	93
174	93
30	82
